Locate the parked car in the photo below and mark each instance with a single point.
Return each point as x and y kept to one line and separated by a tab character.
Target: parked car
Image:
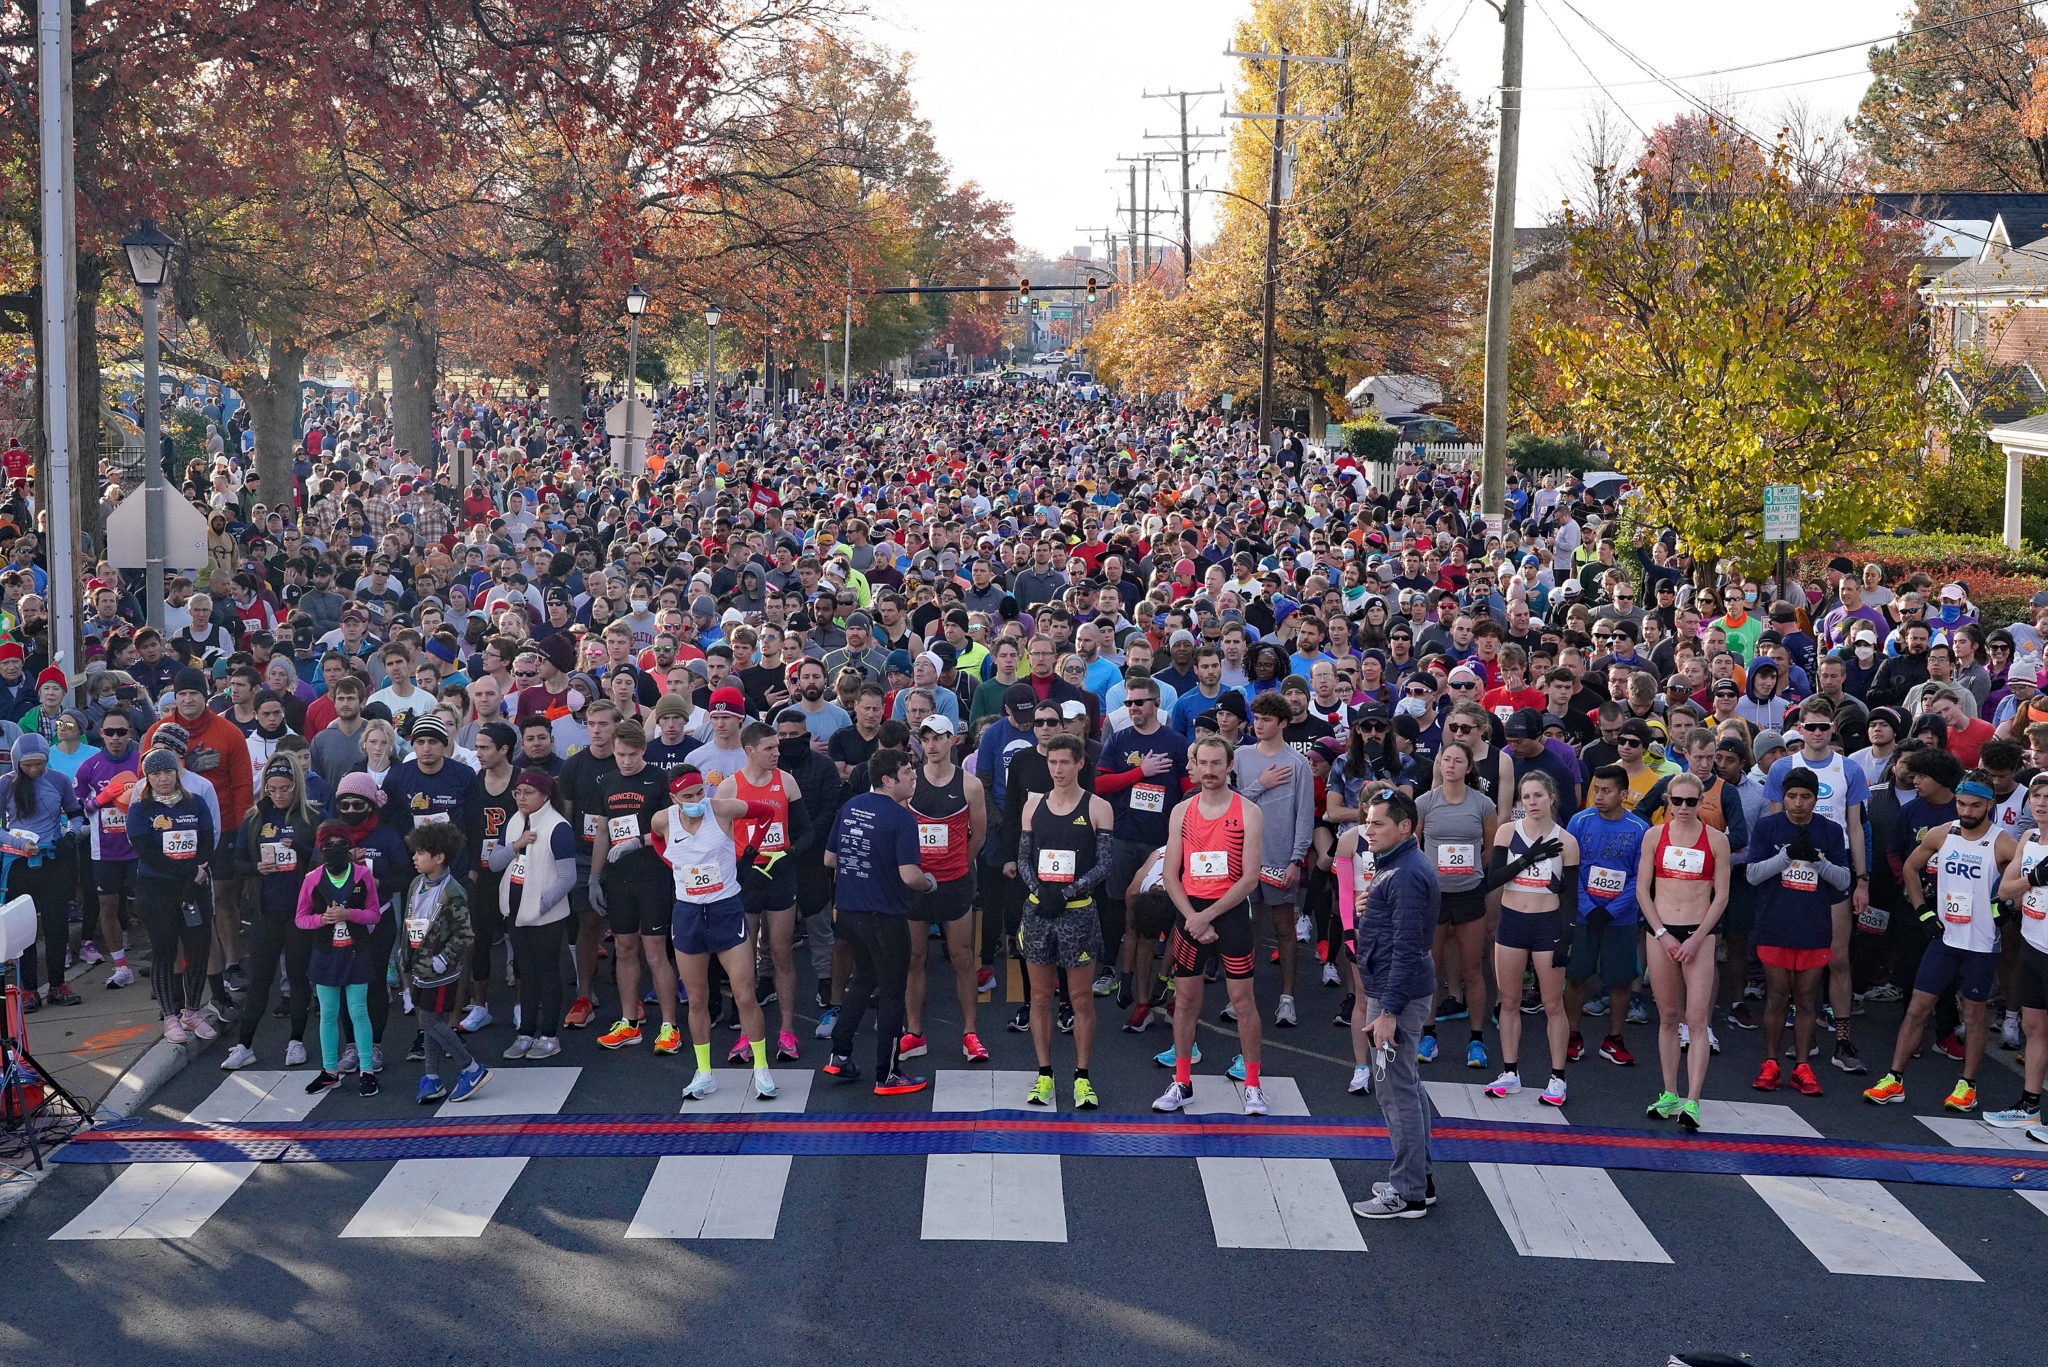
1425	428
1083	383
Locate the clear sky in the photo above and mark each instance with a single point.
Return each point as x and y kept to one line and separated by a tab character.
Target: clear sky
1037	100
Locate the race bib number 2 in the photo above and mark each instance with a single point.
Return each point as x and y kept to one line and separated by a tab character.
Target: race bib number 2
1208	864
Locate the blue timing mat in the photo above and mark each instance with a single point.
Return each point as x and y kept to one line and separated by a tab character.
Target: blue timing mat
1129	1136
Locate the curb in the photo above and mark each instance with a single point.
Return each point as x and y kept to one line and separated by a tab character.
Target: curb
129	1094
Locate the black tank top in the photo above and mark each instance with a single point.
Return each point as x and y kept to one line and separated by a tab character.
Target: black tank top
1062	846
497	809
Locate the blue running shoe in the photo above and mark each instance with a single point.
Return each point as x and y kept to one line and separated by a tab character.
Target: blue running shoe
825	1023
1235	1072
1475	1054
468	1080
432	1089
1164	1058
1426	1051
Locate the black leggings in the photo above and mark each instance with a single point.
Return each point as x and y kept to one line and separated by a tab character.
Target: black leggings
537	957
160	906
51	885
881	967
272	933
383	938
488	922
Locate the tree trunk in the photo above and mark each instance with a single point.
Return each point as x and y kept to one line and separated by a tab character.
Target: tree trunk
564	377
89	475
1318	415
413	351
273	398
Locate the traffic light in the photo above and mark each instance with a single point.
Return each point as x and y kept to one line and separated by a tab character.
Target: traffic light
913	289
1024	293
1091	289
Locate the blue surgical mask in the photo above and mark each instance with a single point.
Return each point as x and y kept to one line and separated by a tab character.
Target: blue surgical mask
695	810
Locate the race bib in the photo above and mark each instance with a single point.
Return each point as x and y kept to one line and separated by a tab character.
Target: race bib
1503	712
1148	797
2033	906
1800	876
1604	882
285	857
181	844
517	871
1873	920
622	828
430	819
343	937
703	880
490	848
1457	861
1208	864
772	837
1681	862
590	825
1955	907
1272	877
1056	866
416	929
113	821
933	835
1537	879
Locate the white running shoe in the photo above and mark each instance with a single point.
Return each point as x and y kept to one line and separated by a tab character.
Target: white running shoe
1174	1098
1303	927
1254	1101
1507	1084
520	1047
1361	1080
122	976
475	1019
2012	1039
1713	1041
1284	1013
1229	1013
544	1046
295	1054
349	1059
764	1084
701	1086
1331	977
241	1056
1553	1092
1684	1035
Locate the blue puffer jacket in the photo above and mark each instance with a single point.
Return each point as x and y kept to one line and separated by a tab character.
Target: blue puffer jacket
1396	929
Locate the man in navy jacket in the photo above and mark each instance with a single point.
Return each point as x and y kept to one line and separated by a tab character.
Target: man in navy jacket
1396	928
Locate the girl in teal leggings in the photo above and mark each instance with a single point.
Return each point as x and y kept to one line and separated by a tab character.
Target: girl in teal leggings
338	903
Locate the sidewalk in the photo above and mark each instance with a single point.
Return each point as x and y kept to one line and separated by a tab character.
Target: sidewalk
88	1047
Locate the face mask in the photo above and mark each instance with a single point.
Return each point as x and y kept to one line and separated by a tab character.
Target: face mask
335	856
1749	597
1413	707
791	750
1949	612
1864	650
639	605
696	810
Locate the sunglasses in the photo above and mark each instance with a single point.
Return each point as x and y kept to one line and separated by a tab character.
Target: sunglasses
1045	721
1627	740
1465	687
1461	730
115	731
1817	726
352	805
1681	801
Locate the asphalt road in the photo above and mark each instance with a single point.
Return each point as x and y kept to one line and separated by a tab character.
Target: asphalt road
1140	1278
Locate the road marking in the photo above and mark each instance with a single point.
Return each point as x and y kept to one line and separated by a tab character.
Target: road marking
172	1200
1272	1202
723	1196
1009	1197
1854	1227
455	1198
1549	1212
1975	1134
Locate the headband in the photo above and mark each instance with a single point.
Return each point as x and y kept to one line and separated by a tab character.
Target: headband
1970	787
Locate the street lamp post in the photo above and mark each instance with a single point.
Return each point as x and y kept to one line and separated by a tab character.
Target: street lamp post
711	316
636	304
149	261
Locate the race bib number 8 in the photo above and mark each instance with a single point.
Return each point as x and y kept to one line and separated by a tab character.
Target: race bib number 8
1056	866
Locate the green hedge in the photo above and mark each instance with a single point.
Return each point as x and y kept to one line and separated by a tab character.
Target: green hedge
1535	451
1371	441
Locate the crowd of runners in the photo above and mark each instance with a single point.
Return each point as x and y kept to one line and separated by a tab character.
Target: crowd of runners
843	713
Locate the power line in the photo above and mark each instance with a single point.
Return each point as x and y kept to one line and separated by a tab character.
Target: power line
1780	61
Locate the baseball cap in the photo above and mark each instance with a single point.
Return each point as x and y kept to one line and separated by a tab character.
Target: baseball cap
1073	709
941	723
1526	723
1767	741
1727	688
1020	697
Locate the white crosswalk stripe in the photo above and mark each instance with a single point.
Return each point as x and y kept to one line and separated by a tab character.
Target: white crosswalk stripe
1852	1226
172	1200
1017	1197
723	1196
1272	1202
455	1198
1966	1133
1547	1211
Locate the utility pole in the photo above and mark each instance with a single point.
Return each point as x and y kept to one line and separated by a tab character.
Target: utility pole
1493	477
1279	117
1132	205
1187	221
1141	265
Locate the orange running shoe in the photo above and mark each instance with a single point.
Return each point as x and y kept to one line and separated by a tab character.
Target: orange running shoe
1888	1089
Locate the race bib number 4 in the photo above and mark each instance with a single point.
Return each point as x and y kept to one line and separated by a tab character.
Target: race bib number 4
1148	797
933	835
1604	882
181	844
1681	862
1056	866
622	828
1457	861
1208	864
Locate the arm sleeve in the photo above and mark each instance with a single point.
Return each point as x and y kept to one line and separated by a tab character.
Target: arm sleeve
1568	901
1347	894
1088	882
1108	783
1762	871
1838	875
1500	868
565	879
1026	865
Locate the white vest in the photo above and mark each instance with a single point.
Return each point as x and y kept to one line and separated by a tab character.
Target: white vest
529	885
1966	877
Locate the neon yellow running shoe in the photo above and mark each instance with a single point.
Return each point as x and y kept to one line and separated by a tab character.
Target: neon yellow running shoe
1663	1107
1084	1095
1041	1091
